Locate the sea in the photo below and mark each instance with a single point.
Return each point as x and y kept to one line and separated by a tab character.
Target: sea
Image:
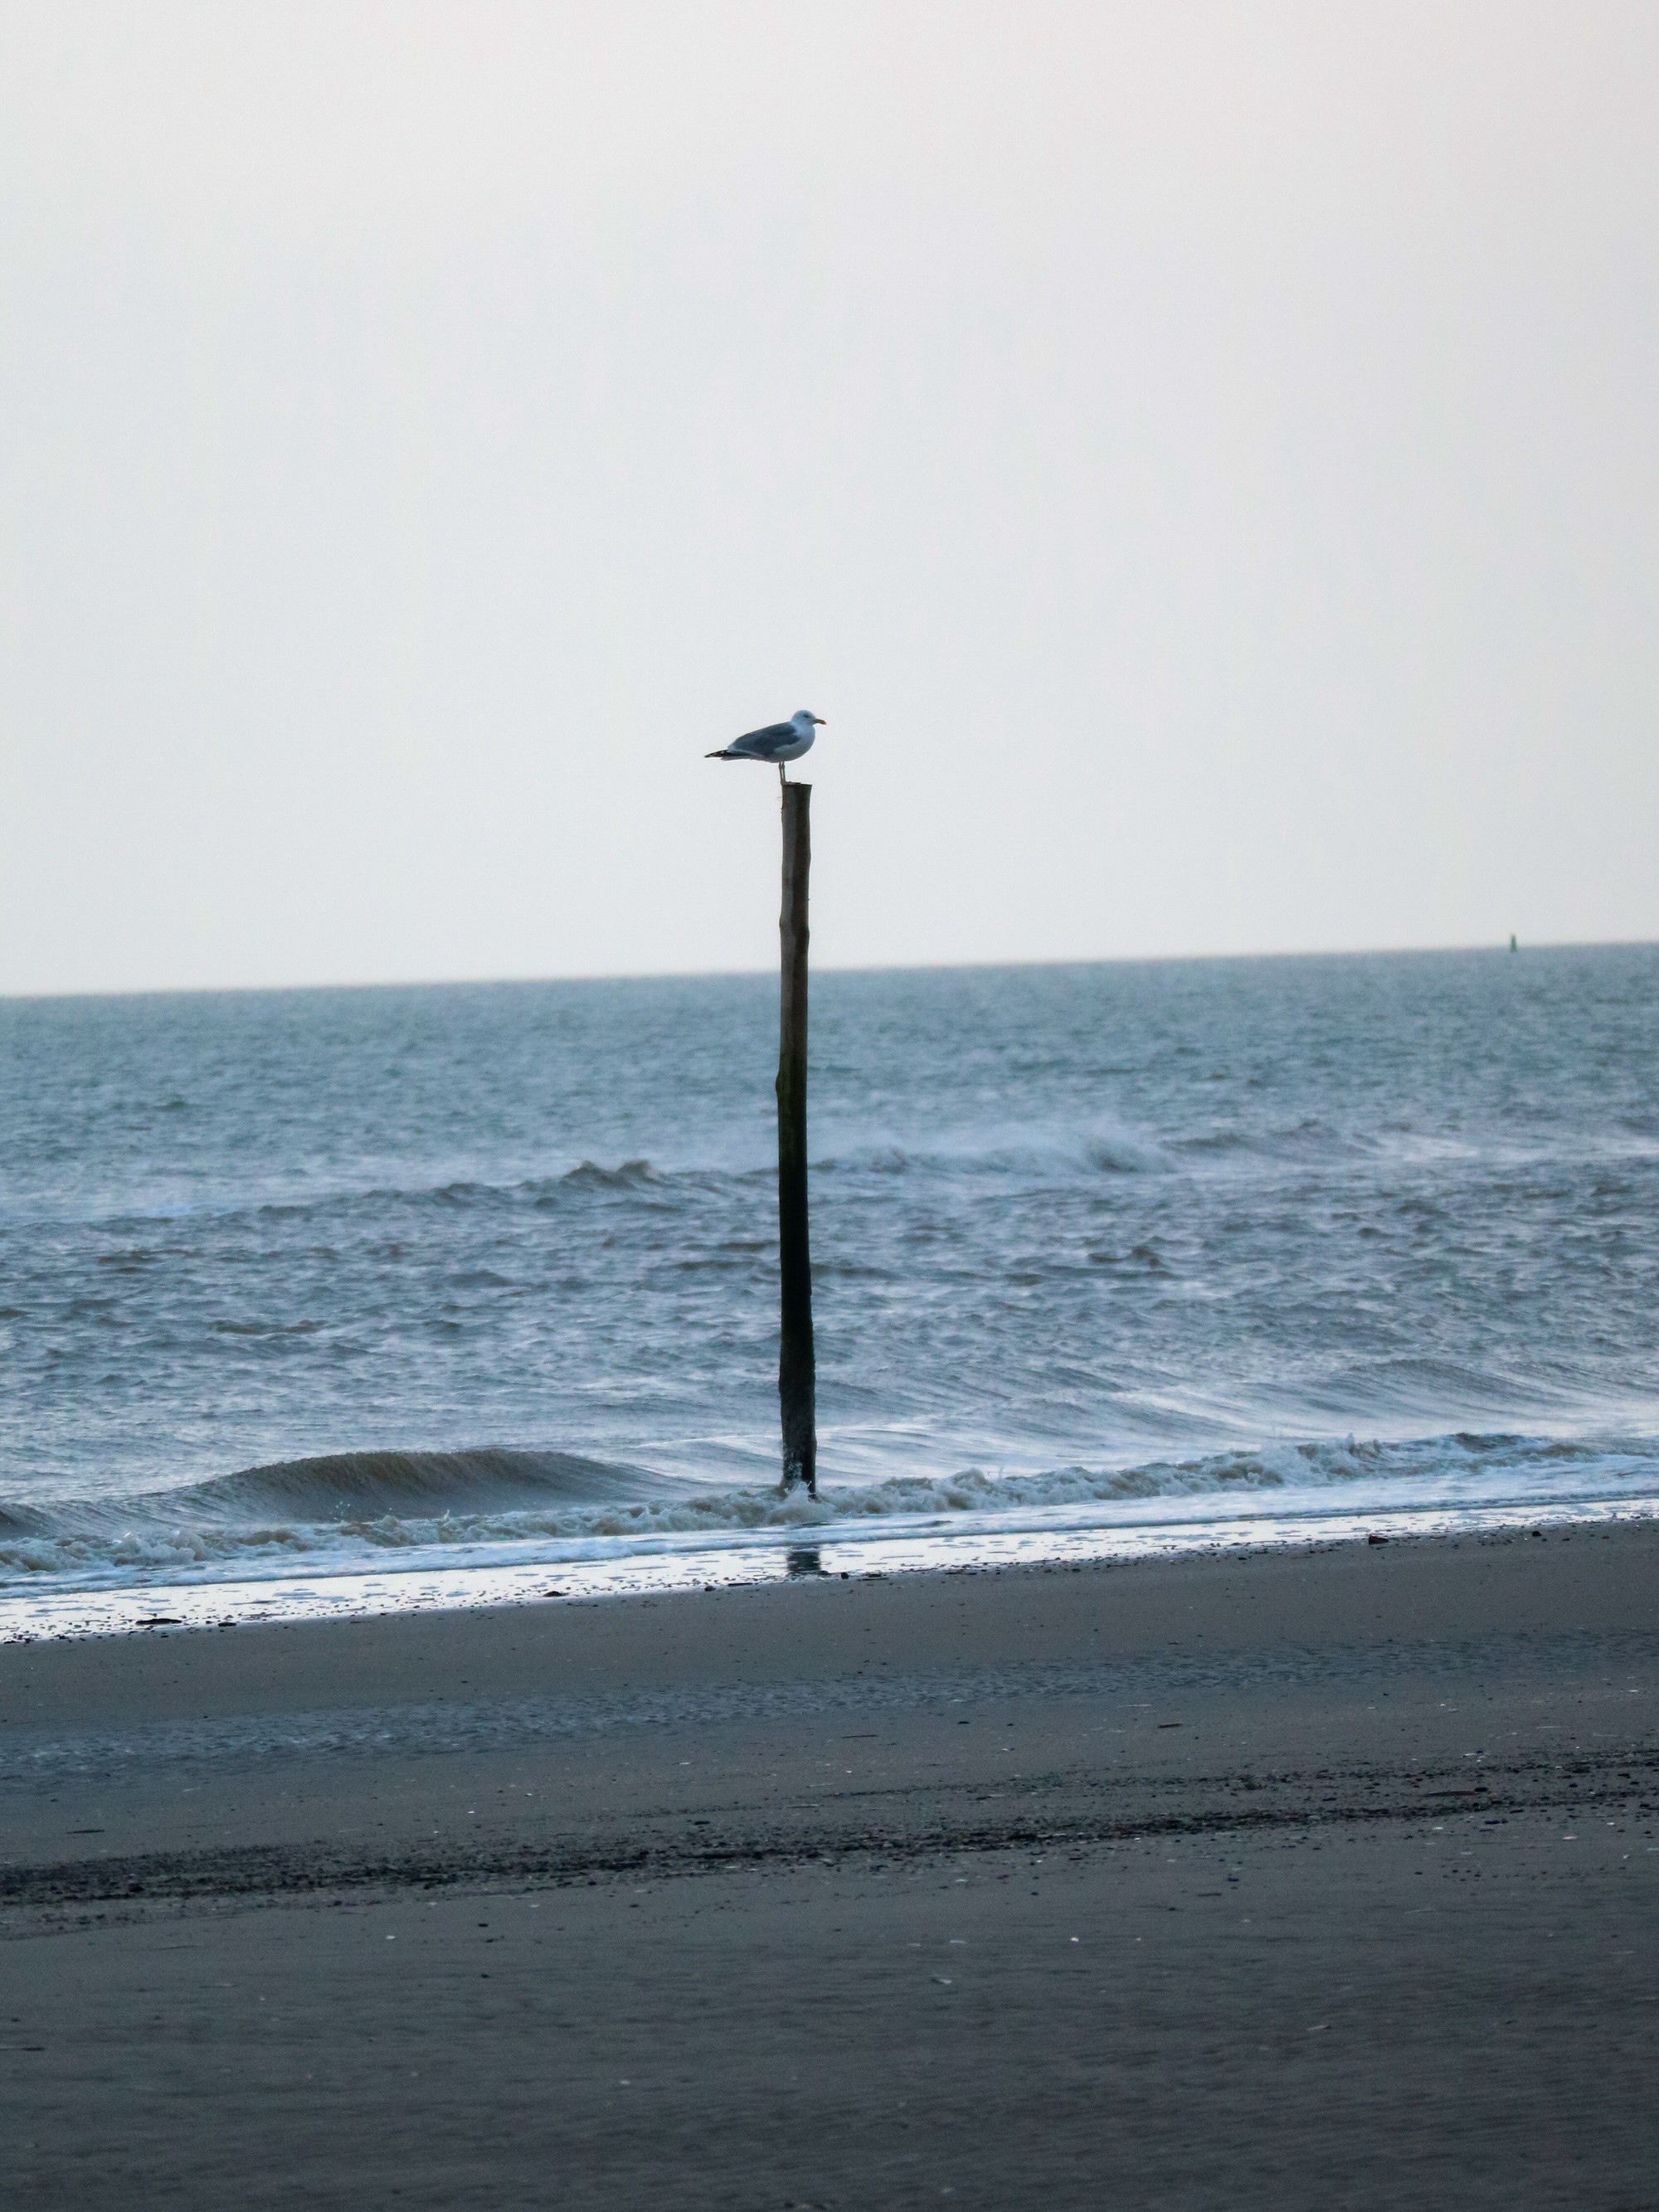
359	1300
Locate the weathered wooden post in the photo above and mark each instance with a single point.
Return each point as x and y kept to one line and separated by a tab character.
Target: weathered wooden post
797	1374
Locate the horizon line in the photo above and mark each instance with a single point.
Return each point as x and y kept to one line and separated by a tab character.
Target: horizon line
1501	945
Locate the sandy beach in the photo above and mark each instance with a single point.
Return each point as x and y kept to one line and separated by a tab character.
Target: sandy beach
1291	1879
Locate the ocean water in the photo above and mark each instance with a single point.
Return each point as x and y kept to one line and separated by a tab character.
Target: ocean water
397	1295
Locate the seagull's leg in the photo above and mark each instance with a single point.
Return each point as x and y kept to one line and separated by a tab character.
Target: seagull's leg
782	778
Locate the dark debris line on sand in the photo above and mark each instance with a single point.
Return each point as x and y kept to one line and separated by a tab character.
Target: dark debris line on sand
1622	1779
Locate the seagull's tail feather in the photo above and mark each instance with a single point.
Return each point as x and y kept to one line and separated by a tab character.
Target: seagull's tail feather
725	754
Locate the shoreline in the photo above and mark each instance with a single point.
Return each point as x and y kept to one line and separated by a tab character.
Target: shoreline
1277	1878
670	1566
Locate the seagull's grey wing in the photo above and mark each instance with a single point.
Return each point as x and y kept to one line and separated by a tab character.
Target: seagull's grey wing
767	743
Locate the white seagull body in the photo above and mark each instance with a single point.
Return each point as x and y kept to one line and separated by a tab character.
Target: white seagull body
777	743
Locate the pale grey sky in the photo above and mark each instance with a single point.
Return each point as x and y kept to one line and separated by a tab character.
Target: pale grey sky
1202	460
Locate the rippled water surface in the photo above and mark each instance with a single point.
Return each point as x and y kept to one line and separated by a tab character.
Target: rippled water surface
1091	1244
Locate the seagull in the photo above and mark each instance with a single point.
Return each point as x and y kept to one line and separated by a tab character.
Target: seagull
778	742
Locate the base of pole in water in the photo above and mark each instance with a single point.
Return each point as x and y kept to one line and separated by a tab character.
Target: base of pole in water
797	1376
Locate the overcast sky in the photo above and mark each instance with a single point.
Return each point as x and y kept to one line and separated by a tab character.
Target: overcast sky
1201	459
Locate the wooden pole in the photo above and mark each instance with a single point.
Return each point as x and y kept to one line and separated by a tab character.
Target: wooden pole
797	1378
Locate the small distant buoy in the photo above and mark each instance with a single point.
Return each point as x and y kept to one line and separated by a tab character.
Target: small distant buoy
1514	947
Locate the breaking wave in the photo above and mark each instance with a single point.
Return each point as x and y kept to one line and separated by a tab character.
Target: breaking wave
1001	1152
350	1508
348	1485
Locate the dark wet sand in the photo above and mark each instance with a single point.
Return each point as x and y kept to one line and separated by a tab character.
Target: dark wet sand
1293	1880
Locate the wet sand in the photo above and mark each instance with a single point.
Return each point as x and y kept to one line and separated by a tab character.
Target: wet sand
1290	1880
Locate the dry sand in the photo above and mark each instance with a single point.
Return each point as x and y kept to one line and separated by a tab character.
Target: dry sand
1310	1880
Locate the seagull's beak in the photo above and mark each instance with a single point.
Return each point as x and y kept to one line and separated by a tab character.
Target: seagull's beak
818	719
